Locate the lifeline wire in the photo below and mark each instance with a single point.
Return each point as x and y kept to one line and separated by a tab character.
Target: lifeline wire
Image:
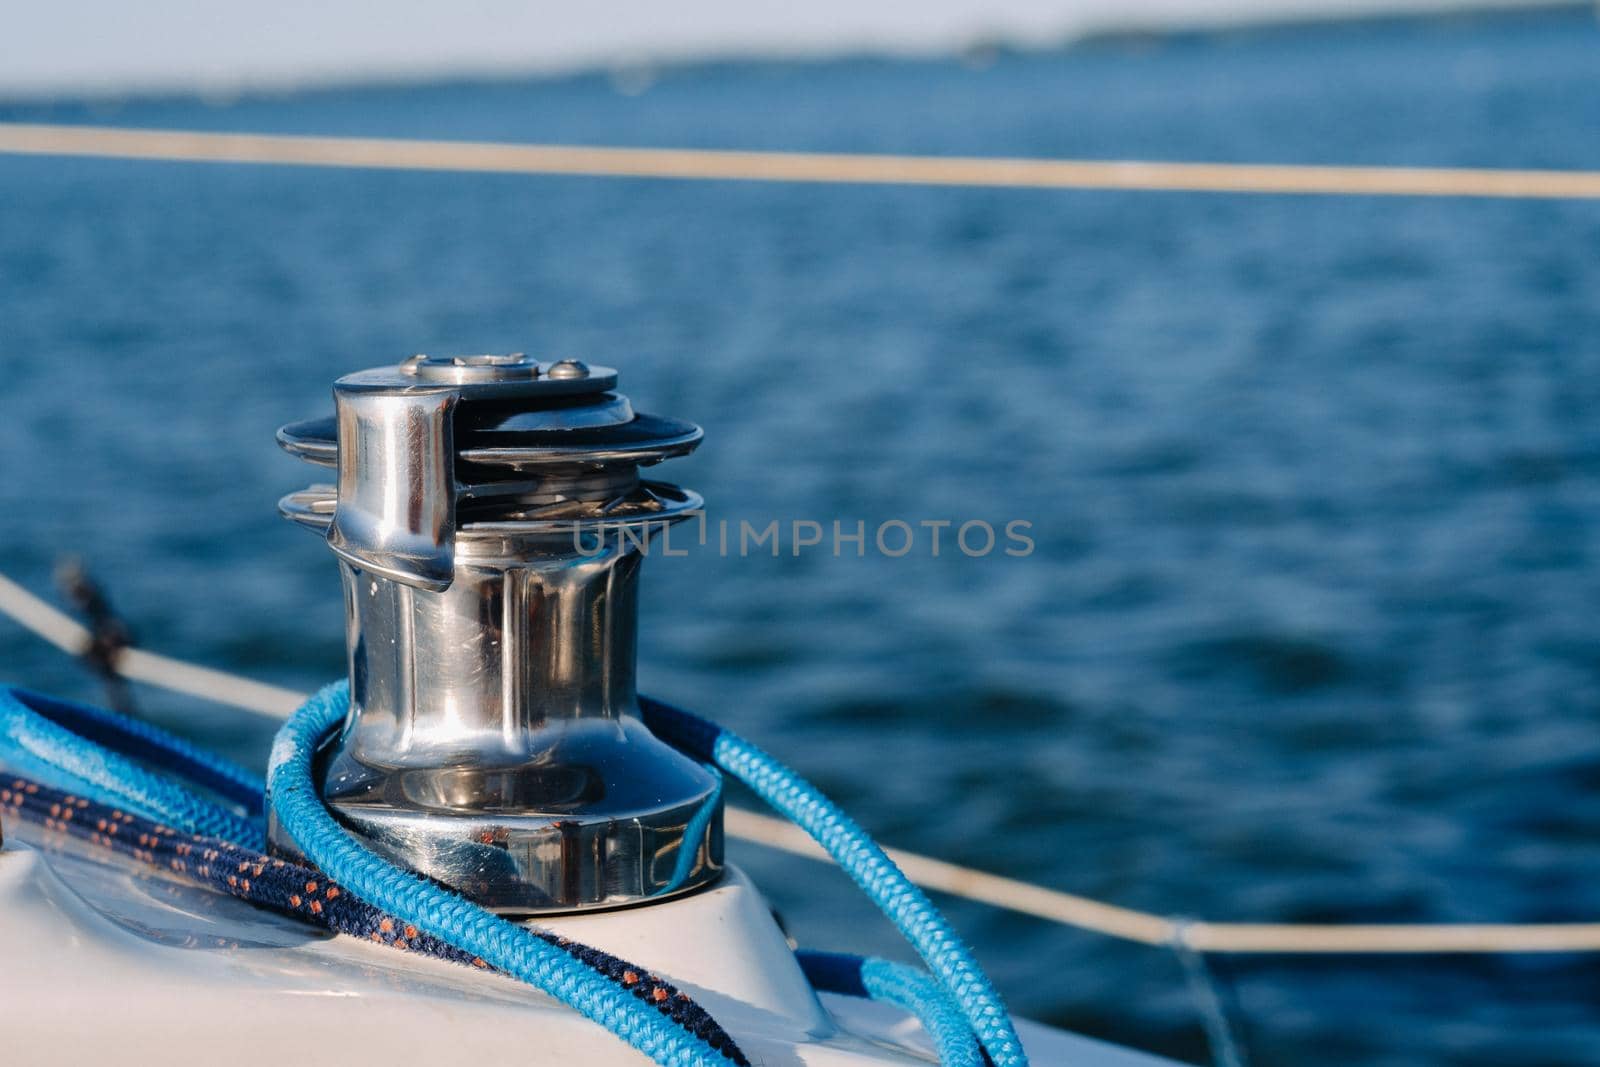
111	142
1052	905
140	665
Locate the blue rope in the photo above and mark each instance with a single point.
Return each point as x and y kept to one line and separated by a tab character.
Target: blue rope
902	986
34	739
905	905
695	832
507	947
954	1004
152	745
309	895
1226	1051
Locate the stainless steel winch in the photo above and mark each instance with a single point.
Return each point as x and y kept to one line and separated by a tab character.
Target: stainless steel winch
489	520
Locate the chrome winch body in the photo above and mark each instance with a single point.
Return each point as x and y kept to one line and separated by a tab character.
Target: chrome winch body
490	522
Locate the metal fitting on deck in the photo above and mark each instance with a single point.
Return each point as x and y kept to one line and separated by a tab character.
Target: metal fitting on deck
488	518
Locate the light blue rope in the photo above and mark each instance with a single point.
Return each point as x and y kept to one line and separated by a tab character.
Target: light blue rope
451	918
906	906
950	961
918	993
957	1002
32	743
695	832
905	987
1226	1051
152	746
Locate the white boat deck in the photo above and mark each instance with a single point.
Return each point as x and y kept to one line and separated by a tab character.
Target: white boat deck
106	962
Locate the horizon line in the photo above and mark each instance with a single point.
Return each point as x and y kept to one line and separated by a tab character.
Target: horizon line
632	74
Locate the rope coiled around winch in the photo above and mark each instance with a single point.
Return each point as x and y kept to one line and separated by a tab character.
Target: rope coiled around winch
506	946
35	737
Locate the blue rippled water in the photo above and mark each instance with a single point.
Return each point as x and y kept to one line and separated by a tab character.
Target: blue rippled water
1309	629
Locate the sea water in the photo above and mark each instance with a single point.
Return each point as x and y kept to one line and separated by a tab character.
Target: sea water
1307	630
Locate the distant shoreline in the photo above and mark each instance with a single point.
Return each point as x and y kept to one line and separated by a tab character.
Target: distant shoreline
1132	36
1135	32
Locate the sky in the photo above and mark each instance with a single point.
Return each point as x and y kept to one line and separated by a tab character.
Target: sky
52	46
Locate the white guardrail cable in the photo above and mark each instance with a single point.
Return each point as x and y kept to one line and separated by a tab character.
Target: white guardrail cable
122	142
1068	909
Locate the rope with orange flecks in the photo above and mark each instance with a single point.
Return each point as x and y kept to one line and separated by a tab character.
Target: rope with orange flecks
303	892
